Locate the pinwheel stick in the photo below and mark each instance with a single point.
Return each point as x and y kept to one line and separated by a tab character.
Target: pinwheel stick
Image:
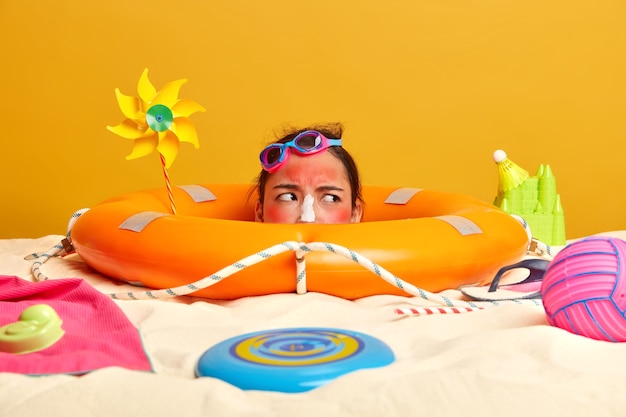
168	184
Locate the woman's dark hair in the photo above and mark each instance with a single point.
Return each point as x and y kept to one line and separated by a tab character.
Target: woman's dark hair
331	131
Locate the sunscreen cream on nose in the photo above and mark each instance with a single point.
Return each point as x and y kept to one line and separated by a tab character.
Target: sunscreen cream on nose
308	215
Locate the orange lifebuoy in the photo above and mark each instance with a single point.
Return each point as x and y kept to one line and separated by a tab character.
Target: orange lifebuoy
432	239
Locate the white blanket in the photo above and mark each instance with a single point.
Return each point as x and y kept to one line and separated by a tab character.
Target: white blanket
500	361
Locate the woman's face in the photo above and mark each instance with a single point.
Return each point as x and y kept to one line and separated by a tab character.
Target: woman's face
322	177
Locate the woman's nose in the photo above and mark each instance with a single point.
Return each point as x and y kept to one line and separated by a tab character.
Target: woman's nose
307	210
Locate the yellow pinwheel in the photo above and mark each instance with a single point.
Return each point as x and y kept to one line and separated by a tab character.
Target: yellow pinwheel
156	120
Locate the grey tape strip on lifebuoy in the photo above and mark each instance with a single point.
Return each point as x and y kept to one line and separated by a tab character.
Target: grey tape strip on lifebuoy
137	222
463	225
402	195
198	193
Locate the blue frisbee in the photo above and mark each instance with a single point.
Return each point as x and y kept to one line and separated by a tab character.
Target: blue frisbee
292	360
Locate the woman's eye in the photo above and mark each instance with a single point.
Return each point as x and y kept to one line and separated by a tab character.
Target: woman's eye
330	198
287	197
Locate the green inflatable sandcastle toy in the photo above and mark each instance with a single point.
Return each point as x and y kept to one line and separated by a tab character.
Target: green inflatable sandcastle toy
534	198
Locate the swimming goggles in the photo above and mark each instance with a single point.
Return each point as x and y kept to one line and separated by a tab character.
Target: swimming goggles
308	142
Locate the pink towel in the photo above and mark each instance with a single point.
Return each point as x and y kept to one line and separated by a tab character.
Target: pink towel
97	333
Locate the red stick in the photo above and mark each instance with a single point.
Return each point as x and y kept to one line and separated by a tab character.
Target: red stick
168	184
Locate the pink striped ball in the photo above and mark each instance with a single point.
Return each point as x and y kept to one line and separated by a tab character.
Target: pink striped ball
584	289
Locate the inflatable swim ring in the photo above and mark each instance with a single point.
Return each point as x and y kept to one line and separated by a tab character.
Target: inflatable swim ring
431	239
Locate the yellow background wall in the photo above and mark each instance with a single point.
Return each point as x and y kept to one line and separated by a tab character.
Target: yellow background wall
427	90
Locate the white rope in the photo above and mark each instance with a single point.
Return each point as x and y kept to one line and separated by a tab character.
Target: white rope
535	247
62	248
209	280
300	249
73	219
43	257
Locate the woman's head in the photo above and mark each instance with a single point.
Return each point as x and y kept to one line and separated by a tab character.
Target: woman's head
322	186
